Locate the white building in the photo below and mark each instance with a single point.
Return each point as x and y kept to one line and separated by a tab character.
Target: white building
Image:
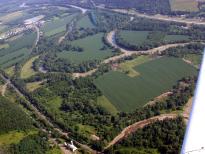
71	146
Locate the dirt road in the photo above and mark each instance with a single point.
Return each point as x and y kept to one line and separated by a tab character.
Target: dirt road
138	125
37	37
125	52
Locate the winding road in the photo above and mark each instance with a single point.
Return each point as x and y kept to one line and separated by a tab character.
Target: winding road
140	124
125	53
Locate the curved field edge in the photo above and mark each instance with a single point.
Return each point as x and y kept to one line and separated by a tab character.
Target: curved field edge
156	77
27	70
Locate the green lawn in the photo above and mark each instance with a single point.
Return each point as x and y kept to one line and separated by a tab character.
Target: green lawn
85	23
156	77
91	46
57	25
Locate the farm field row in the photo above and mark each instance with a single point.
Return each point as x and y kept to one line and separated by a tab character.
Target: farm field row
143	37
156	76
92	46
17	50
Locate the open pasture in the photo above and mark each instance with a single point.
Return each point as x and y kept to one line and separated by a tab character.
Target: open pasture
92	50
156	76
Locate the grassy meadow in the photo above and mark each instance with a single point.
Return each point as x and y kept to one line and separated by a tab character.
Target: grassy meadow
92	50
27	70
85	23
156	76
194	58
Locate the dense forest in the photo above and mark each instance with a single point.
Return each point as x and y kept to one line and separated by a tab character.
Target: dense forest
12	117
165	136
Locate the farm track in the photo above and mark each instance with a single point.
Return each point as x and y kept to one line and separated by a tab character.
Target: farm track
141	124
42	117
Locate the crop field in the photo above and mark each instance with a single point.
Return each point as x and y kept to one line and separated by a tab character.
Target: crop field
107	105
56	25
156	76
128	67
134	37
171	38
184	5
11	16
17	51
85	23
92	50
27	70
141	37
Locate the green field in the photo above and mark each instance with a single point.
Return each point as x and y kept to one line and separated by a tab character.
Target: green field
184	5
128	67
143	37
31	86
171	38
91	46
85	23
57	25
17	51
107	105
156	77
27	70
194	58
134	37
14	137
